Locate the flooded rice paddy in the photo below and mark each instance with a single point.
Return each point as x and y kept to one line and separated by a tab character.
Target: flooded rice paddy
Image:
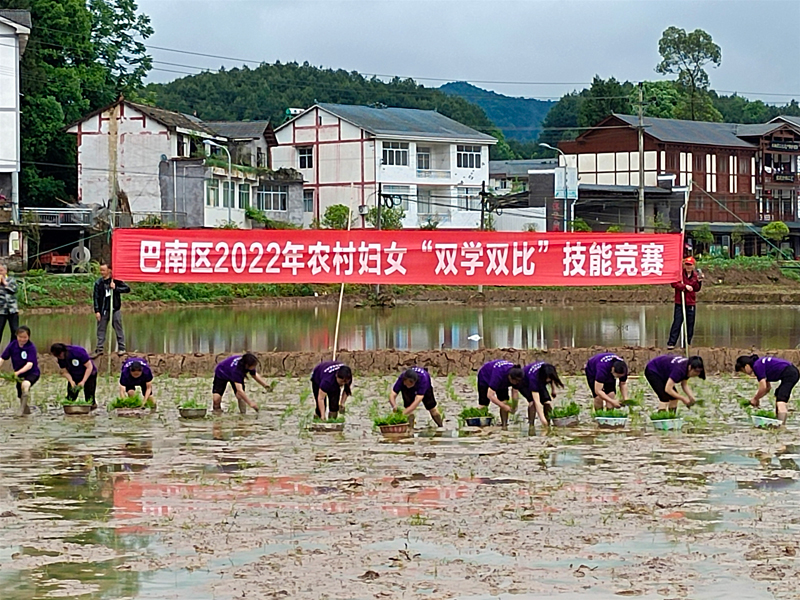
426	327
102	507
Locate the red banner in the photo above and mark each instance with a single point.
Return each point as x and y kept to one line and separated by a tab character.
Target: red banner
399	257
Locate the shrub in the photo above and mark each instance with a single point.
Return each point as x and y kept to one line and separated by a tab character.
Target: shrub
336	217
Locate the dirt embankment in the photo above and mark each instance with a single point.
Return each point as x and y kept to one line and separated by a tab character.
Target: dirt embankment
569	361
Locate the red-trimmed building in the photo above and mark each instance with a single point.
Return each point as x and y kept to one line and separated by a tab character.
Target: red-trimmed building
737	173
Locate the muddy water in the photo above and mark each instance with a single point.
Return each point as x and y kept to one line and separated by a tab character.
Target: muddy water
428	326
102	507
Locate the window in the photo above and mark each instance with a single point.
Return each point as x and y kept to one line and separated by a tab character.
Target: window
423	158
244	195
469	198
424	202
228	188
182	146
744	166
260	158
398	193
212	192
395	153
271	197
306	154
699	162
308	201
468	157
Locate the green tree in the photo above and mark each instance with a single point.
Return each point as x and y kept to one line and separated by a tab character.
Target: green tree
660	97
685	55
68	70
391	218
699	107
336	217
776	231
561	123
703	236
603	98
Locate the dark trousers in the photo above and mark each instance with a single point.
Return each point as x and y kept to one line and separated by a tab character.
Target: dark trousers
102	328
677	323
89	390
13	323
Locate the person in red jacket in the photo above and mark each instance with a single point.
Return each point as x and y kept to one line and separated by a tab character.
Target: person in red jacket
688	287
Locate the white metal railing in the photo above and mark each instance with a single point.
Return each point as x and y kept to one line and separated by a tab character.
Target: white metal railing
58	217
433	174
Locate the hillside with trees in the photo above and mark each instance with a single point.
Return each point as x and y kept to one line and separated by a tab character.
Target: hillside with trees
518	118
266	91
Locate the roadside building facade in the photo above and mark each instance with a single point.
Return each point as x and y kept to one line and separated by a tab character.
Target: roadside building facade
425	162
736	173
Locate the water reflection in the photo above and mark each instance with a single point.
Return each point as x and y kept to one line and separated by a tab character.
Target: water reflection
424	327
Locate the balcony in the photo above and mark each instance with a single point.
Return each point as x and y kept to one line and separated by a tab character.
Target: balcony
152	220
432	174
58	217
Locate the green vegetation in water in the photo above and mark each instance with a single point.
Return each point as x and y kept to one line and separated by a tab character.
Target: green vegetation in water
339	419
570	410
393	418
765	413
193	403
662	415
75	402
610	413
474	412
631	402
745	404
10	377
127	402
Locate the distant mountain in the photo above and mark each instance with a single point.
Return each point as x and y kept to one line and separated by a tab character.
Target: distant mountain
518	118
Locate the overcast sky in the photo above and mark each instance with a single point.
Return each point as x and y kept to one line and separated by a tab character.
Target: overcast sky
532	48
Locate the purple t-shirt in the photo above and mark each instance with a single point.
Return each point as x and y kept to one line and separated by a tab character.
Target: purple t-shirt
600	366
770	368
74	360
228	370
420	388
324	376
494	375
532	377
672	367
21	357
127	379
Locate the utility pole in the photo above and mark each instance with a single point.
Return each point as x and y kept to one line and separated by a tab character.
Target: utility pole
378	227
641	158
483	222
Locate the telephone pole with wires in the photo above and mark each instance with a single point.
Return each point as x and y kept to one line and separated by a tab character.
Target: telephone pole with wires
640	129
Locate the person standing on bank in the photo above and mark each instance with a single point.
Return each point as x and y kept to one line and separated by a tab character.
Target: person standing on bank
685	291
415	386
78	369
9	313
107	304
22	353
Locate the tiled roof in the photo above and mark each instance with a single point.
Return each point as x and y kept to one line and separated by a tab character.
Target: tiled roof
172	119
520	168
689	132
238	130
406	122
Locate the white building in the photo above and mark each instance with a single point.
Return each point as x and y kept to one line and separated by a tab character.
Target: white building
145	162
15	26
429	164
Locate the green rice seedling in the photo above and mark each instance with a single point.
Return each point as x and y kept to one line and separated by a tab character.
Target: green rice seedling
570	410
661	415
134	401
765	413
192	403
74	402
393	418
474	412
610	413
10	377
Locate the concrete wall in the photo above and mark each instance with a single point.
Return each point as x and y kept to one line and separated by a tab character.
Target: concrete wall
121	149
190	187
9	101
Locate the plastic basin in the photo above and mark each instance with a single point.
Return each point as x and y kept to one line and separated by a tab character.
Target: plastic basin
612	422
394	429
570	421
326	427
765	422
192	413
667	424
77	409
479	421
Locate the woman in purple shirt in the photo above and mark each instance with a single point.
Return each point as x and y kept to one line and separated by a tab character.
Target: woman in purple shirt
538	376
415	386
664	372
494	379
22	353
78	369
328	380
602	372
233	371
770	369
136	373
